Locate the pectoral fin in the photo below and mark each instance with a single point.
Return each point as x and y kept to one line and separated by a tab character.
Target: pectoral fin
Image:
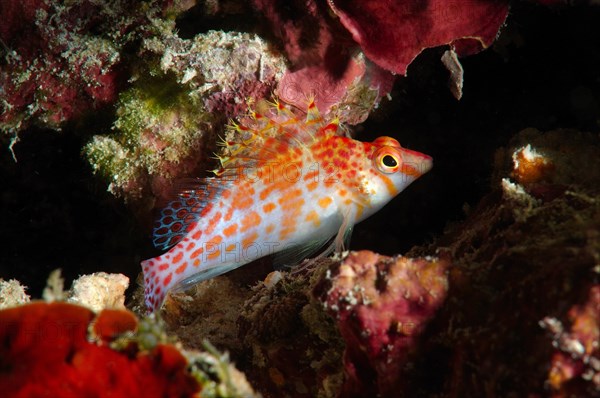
296	253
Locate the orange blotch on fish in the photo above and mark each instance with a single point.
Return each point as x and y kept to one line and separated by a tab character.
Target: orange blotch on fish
214	254
269	207
212	223
243	200
207	209
275	186
282	147
313	217
167	279
288	197
311	186
389	184
226	193
215	240
177	257
196	262
340	164
229	213
325	202
251	219
289	223
312	175
269	228
410	170
163	267
230	230
196	253
197	235
181	268
250	239
190	246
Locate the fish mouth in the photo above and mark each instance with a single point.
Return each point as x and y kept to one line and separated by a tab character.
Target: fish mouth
415	163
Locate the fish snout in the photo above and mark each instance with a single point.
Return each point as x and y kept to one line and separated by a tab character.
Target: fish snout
414	163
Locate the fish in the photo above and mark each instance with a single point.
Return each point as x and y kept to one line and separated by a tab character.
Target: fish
290	184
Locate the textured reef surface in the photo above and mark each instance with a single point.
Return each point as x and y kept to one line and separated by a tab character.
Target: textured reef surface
482	279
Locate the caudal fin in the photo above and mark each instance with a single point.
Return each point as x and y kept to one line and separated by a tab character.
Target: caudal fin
157	281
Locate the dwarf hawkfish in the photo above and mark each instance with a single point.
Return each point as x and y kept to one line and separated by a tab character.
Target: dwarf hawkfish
288	185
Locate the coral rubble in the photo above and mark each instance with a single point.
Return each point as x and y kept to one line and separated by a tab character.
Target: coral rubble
100	290
12	293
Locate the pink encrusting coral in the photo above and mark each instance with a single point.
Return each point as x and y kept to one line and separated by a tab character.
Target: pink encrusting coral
62	59
381	305
392	33
351	95
325	62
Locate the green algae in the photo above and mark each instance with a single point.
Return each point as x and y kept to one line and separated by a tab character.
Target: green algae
159	125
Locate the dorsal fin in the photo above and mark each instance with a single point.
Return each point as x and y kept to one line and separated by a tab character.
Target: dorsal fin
269	129
182	213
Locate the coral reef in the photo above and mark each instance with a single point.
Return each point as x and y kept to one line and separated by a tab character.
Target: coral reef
324	58
351	96
381	305
96	291
332	327
100	290
466	26
576	362
50	341
12	293
277	330
528	250
180	99
116	357
62	59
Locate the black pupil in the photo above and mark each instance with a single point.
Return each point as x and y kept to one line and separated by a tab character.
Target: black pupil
389	161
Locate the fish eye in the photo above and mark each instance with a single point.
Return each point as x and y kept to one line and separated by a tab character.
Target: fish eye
387	160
